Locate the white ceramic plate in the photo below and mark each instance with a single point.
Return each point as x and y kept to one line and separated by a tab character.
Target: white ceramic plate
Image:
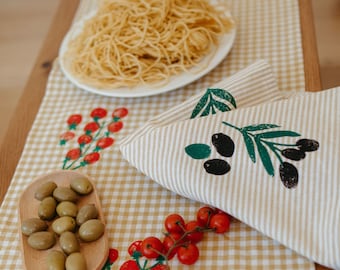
177	81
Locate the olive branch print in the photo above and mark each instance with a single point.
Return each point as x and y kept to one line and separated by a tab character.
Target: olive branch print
262	143
209	103
257	137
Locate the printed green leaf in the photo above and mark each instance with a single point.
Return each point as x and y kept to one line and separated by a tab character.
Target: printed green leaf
198	150
265	158
221	106
208	105
207	110
224	94
250	146
259	127
277	134
200	105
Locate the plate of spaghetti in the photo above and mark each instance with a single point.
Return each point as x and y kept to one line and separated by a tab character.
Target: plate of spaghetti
135	48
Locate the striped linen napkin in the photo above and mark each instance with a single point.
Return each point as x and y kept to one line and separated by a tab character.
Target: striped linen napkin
274	166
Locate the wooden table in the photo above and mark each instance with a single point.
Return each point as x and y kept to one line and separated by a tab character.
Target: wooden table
29	103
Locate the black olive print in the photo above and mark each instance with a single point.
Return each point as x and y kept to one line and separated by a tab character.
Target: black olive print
223	144
293	154
216	166
289	175
307	145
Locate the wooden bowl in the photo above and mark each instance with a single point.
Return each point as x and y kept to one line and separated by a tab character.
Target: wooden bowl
95	252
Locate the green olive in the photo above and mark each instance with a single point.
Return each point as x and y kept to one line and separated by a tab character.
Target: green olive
41	240
56	260
63	224
86	212
47	208
67	208
91	230
81	185
65	194
45	190
33	225
75	261
69	243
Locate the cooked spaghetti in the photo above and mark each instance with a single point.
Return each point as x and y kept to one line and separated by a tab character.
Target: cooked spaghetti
133	42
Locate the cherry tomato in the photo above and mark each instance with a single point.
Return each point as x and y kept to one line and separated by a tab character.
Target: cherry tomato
120	112
188	254
204	214
91	127
73	154
220	222
151	247
169	241
92	158
174	223
196	235
84	139
113	255
104	142
115	126
68	135
135	247
98	113
129	265
74	120
218	211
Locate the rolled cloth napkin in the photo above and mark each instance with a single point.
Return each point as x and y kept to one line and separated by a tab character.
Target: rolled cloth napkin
273	166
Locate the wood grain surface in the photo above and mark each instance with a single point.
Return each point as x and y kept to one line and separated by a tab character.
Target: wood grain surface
33	93
28	105
28	208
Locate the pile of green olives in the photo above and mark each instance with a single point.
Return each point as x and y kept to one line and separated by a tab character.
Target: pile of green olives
60	217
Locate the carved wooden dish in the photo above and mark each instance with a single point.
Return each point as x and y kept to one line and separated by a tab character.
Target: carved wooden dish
95	252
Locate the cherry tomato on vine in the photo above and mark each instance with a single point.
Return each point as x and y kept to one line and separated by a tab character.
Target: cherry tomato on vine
115	126
204	214
98	113
73	154
92	158
135	246
84	139
169	241
74	120
195	234
104	142
220	223
151	247
120	112
174	223
91	127
129	265
188	254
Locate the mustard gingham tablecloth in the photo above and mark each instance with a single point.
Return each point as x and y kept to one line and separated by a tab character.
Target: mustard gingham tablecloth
135	206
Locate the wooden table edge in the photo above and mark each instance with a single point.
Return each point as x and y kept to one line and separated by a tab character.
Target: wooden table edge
309	47
33	93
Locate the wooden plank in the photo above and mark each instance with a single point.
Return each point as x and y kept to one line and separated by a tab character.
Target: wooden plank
29	102
310	52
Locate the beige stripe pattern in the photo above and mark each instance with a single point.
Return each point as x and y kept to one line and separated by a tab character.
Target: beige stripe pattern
303	218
